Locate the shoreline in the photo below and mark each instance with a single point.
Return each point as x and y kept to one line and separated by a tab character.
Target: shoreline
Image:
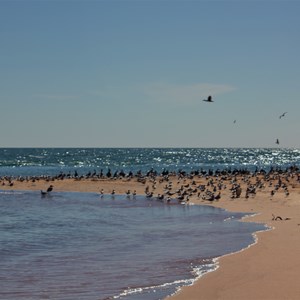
267	269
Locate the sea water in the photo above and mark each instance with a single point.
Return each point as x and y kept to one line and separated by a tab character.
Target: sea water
84	246
52	161
87	246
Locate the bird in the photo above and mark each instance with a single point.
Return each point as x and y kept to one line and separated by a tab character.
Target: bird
160	197
282	115
43	193
234	121
218	196
209	99
277	141
49	189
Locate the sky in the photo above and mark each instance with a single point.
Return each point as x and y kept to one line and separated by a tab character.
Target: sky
134	73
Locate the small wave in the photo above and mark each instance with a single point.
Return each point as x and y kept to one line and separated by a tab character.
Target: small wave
140	290
197	271
37	156
11	193
206	268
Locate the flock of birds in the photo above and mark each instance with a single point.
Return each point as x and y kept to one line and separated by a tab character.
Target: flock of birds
213	186
181	195
209	99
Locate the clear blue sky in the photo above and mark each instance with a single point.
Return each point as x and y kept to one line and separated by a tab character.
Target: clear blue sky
134	73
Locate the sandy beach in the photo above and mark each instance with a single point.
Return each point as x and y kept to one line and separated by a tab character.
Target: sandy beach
267	270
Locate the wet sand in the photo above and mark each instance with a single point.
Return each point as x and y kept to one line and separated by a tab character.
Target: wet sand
267	270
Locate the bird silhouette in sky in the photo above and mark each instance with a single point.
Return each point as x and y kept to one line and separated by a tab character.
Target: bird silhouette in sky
209	99
277	141
282	115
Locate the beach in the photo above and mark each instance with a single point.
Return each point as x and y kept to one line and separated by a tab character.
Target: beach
267	270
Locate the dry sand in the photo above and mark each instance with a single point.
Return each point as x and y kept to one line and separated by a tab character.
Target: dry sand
270	269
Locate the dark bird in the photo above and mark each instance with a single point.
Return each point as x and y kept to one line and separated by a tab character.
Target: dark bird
282	115
234	121
209	99
50	188
277	141
218	196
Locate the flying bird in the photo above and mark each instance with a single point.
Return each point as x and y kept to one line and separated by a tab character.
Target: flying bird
277	141
209	99
282	115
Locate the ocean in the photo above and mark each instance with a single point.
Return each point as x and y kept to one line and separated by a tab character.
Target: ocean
87	246
51	161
